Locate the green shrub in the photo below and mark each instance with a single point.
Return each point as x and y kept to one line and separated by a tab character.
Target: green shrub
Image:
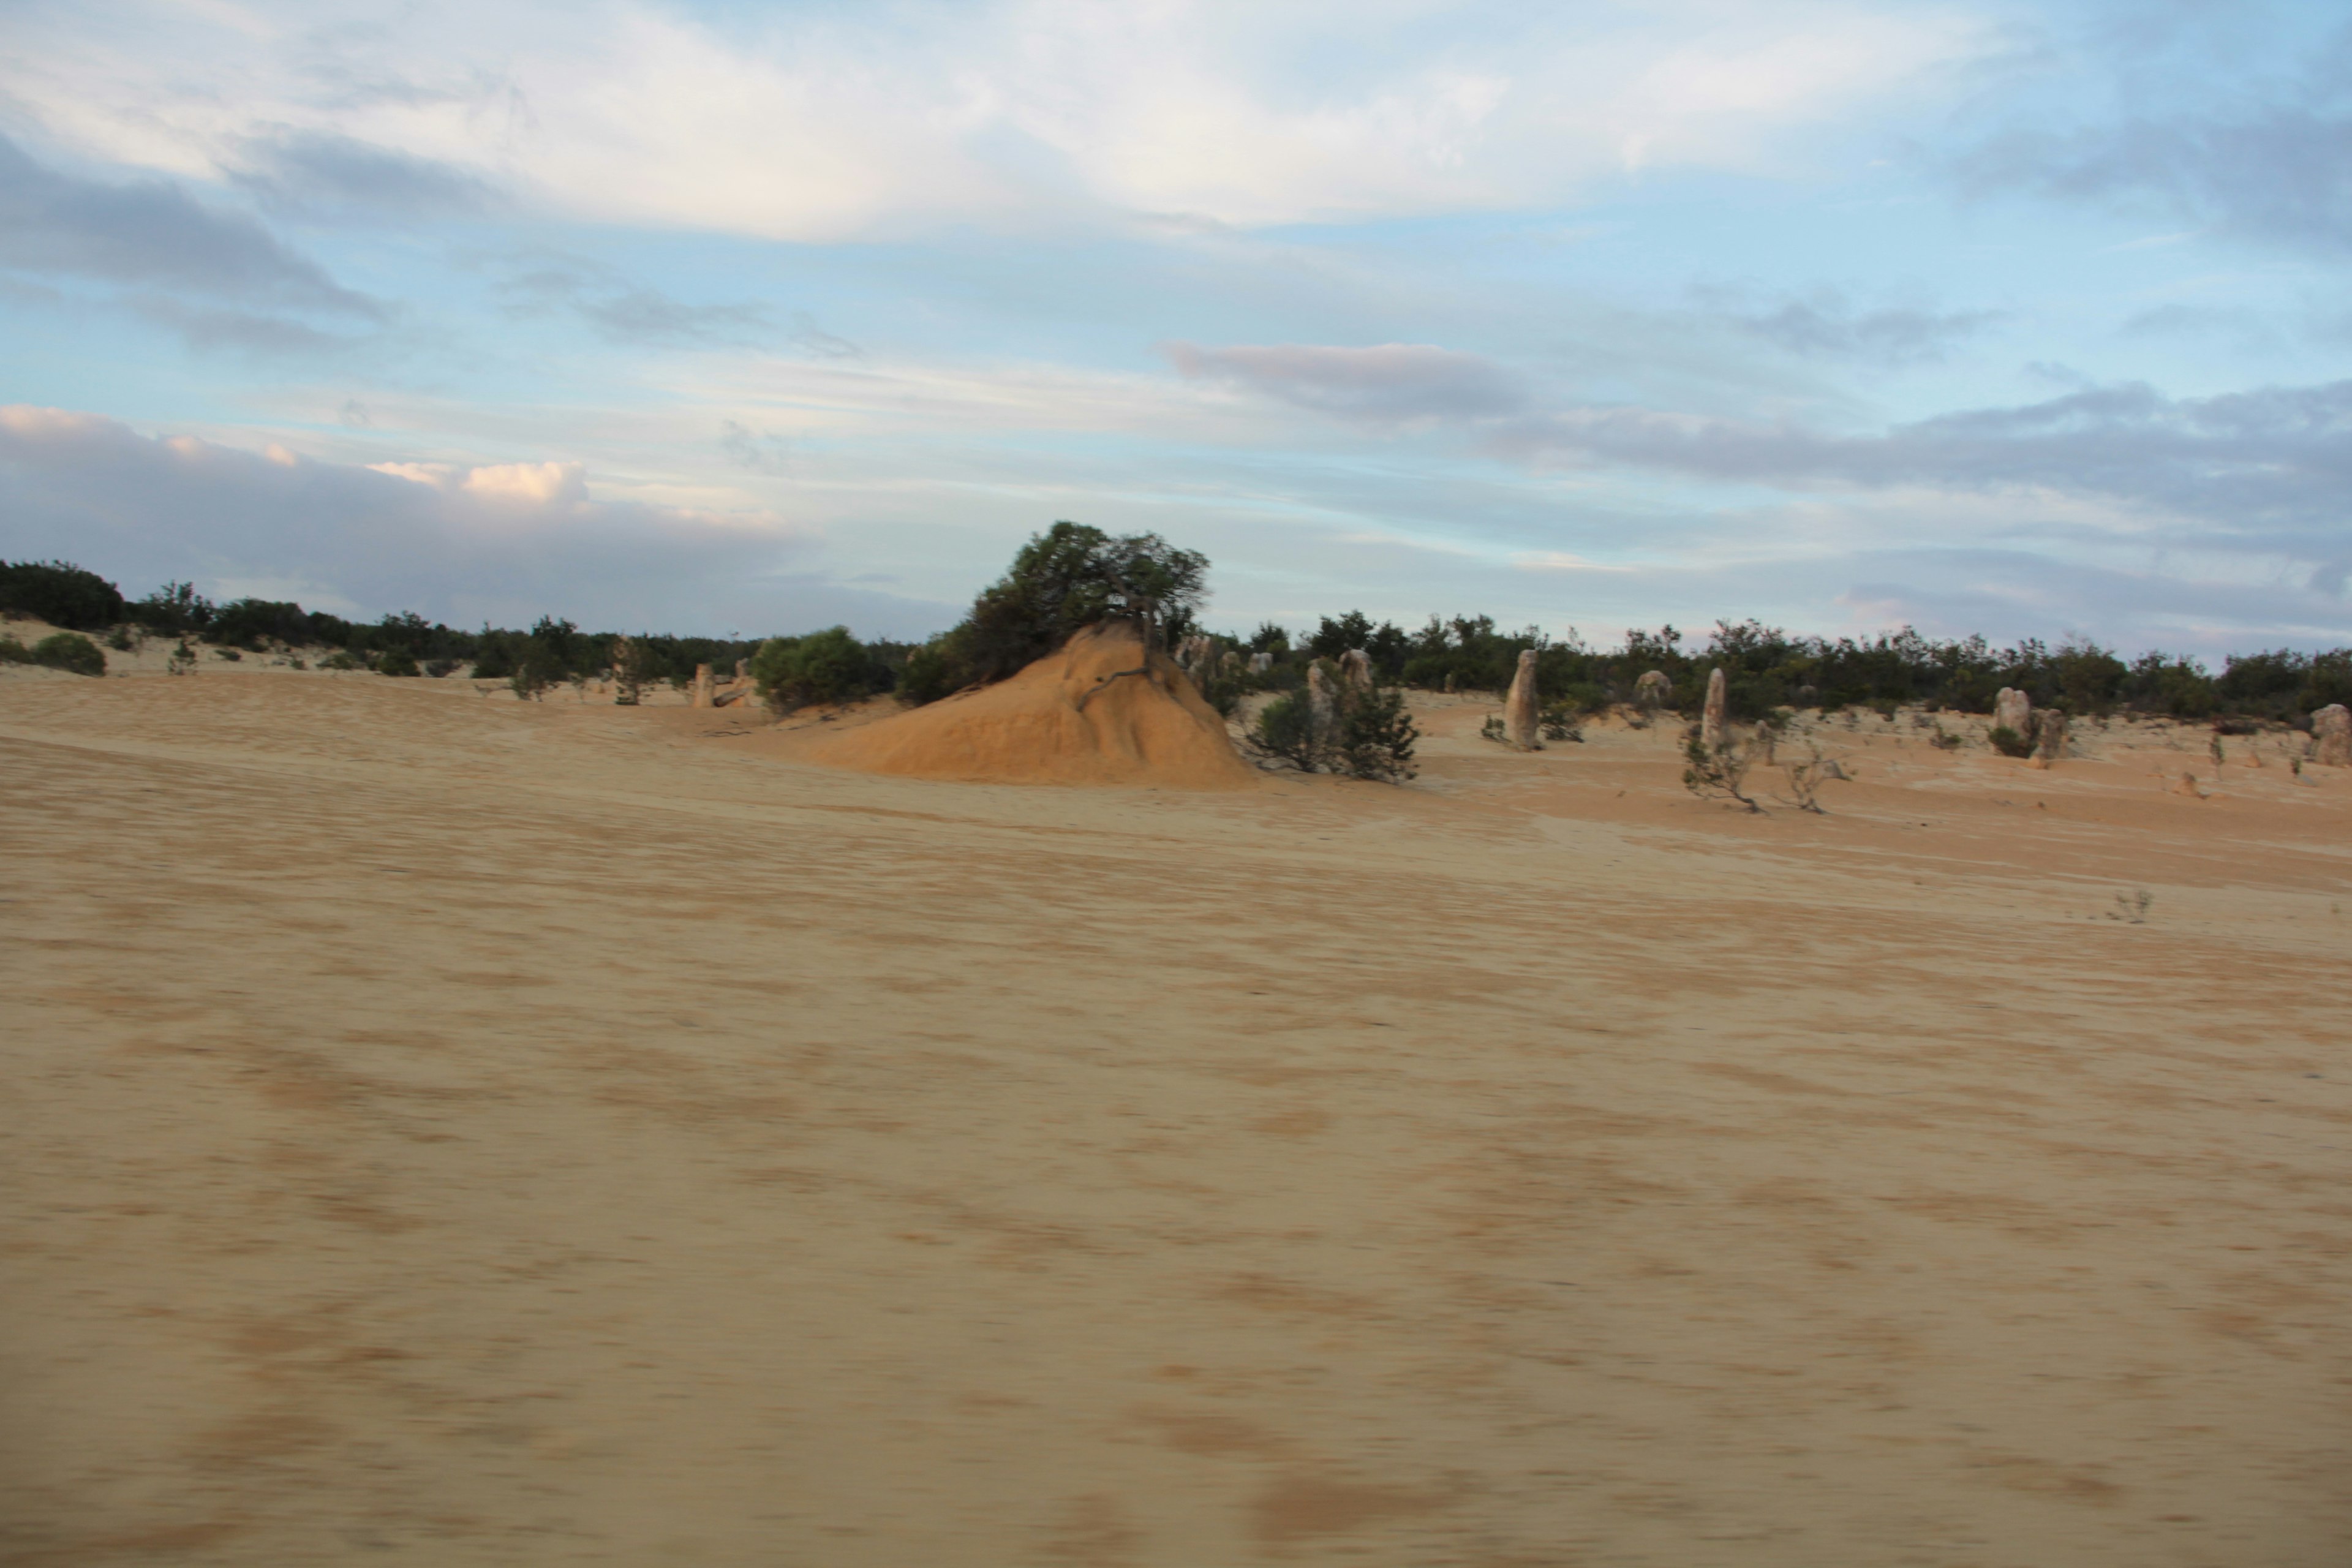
229	654
14	652
175	609
341	658
1285	731
1376	736
60	594
929	674
1558	720
828	667
2008	743
538	669
252	624
1366	734
395	662
1220	689
1719	773
69	651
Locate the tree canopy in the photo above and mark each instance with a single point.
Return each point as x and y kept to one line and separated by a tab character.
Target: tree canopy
1064	580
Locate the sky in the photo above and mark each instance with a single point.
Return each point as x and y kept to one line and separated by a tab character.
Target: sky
2021	319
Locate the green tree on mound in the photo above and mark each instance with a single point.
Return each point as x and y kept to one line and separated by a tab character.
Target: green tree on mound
1065	580
826	667
60	594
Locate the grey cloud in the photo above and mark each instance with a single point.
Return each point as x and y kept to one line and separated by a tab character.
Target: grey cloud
815	341
209	328
142	509
153	234
629	311
1825	326
758	450
2267	470
2271	169
314	172
648	315
1386	383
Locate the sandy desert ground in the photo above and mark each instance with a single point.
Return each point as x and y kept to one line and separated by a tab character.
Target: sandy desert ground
452	1130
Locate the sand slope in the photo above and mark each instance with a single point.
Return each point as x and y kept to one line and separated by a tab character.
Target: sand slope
453	1132
1074	717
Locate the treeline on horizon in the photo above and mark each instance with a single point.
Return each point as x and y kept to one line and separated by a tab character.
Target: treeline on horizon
1765	669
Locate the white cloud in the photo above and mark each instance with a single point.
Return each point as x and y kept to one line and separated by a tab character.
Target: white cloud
845	123
1560	561
550	485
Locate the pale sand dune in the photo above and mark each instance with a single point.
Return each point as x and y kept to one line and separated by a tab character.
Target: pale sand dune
453	1132
1095	712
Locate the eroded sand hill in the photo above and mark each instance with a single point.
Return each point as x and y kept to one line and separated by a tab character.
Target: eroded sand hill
1096	712
451	1130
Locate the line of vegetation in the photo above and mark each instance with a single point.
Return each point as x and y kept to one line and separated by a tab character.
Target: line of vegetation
1071	575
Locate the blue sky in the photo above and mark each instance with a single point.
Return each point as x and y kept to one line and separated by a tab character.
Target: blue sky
2024	319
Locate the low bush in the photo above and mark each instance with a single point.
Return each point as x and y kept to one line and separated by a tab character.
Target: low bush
69	651
2008	743
1366	734
1718	774
396	663
1558	721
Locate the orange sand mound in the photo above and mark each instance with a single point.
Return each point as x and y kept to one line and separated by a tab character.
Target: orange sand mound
1148	729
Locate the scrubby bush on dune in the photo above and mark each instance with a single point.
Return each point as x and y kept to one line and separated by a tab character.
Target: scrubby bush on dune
396	662
69	651
254	624
2008	743
1363	733
1716	773
175	609
826	668
60	594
